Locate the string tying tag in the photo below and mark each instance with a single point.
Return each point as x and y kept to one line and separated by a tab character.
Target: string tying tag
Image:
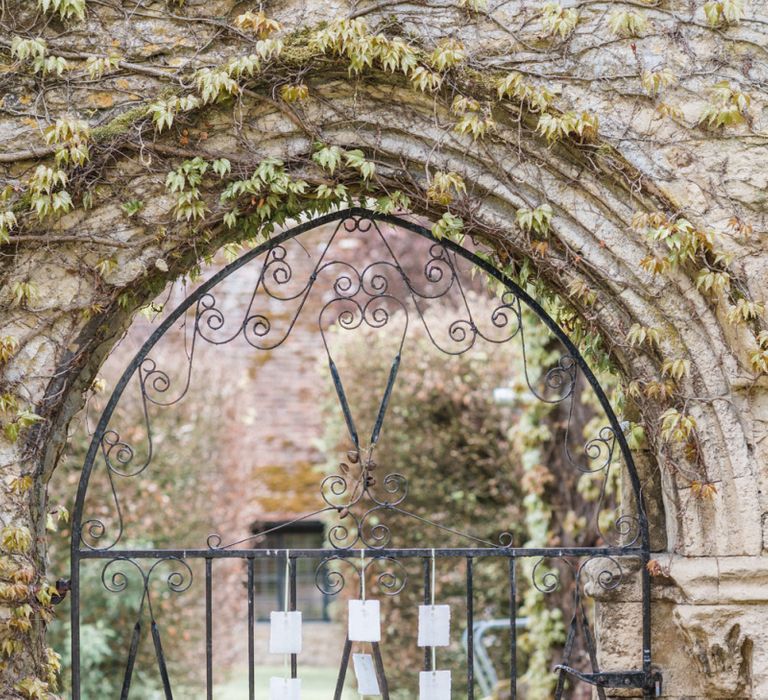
362	575
285	625
286	604
364	615
434	620
432	590
287	579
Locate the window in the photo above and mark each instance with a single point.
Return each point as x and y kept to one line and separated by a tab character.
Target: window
269	574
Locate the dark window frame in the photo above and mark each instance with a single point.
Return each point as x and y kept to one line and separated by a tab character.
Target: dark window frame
270	573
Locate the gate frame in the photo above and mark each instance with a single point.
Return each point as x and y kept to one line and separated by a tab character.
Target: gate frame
646	679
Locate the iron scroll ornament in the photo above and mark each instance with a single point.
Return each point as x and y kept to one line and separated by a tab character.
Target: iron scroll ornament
371	283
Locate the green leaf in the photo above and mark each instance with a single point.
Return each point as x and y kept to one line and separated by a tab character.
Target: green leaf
448	226
327	157
132	207
222	167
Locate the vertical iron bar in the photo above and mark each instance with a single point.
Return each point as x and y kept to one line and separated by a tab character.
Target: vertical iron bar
470	634
75	615
209	628
512	629
427	601
251	670
344	403
385	400
567	649
589	642
381	676
132	651
292	606
646	584
162	666
343	669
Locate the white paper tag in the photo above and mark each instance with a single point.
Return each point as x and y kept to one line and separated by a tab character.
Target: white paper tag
365	672
434	625
364	621
435	685
284	688
285	632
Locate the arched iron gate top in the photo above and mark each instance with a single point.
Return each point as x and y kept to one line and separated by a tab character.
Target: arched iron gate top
638	546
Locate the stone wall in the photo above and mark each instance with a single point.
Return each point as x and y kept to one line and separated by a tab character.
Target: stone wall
651	153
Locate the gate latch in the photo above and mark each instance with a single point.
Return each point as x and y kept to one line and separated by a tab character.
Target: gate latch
618	679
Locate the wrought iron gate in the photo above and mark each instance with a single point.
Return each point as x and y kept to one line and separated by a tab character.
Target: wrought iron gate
355	501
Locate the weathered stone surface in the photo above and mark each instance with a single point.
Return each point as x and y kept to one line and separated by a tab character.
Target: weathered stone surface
720	641
710	622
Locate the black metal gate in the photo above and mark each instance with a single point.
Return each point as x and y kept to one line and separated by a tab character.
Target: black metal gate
353	501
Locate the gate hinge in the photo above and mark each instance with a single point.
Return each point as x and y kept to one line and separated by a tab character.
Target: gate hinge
63	586
618	679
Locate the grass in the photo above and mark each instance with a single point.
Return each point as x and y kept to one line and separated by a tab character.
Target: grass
316	684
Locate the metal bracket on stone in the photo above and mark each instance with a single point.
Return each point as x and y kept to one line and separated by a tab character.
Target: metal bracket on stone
618	679
63	586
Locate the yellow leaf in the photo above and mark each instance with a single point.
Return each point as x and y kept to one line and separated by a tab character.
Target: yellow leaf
101	100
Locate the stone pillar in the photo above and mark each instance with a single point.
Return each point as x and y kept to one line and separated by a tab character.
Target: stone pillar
709	618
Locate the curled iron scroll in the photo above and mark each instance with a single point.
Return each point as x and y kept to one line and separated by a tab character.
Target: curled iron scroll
388	575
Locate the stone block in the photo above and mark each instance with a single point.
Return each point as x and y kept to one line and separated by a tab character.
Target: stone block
718	647
743	580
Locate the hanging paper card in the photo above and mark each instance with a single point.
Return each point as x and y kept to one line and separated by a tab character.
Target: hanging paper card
364	621
435	685
367	683
284	688
285	632
434	625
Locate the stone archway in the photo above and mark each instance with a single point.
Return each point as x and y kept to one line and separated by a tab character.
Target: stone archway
71	284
